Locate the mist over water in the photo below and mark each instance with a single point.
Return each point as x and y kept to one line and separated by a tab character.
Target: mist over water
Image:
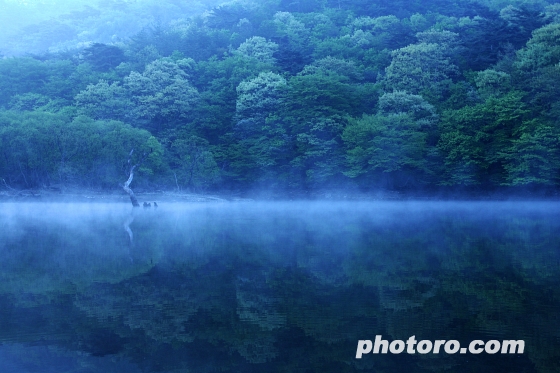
275	286
375	103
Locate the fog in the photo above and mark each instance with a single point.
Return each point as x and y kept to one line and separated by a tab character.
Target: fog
90	295
88	241
40	26
325	171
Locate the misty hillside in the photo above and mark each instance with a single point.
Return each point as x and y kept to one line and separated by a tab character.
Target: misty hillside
41	26
286	95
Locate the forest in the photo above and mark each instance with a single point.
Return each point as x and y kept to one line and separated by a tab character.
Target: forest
284	95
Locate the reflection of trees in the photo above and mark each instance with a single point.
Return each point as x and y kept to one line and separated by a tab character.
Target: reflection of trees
224	288
256	304
161	313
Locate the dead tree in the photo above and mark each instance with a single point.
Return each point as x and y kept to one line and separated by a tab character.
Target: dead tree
126	185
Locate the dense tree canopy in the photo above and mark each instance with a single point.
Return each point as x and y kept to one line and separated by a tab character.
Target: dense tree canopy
290	95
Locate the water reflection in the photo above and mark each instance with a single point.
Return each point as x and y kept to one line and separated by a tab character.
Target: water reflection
276	287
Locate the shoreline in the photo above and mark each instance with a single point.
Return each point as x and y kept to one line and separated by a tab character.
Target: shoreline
105	197
73	196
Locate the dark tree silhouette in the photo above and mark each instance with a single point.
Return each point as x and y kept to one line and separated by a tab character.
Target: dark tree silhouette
103	57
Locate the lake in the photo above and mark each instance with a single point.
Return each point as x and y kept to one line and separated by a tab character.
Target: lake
277	286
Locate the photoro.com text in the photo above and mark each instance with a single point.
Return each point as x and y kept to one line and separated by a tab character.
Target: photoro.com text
412	346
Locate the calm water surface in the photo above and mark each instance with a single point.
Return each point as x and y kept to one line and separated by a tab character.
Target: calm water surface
276	287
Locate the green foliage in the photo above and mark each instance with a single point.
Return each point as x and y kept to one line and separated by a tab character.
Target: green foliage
401	102
303	95
322	91
260	137
103	57
193	164
199	42
41	148
163	91
21	75
492	83
317	102
217	80
367	41
259	96
338	66
28	102
542	50
292	37
380	32
386	142
105	101
258	48
472	136
534	157
319	157
536	71
420	68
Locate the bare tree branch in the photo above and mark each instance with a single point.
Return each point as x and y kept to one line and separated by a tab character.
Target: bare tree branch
126	185
7	186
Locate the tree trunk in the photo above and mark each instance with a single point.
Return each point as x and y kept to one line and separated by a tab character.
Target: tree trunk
126	185
127	189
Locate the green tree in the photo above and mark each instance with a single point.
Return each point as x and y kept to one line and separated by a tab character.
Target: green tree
260	137
215	113
420	68
347	68
258	48
537	71
380	32
292	37
21	75
163	92
28	102
542	50
192	163
493	83
388	148
533	158
103	57
105	101
40	148
258	97
474	138
317	103
397	102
